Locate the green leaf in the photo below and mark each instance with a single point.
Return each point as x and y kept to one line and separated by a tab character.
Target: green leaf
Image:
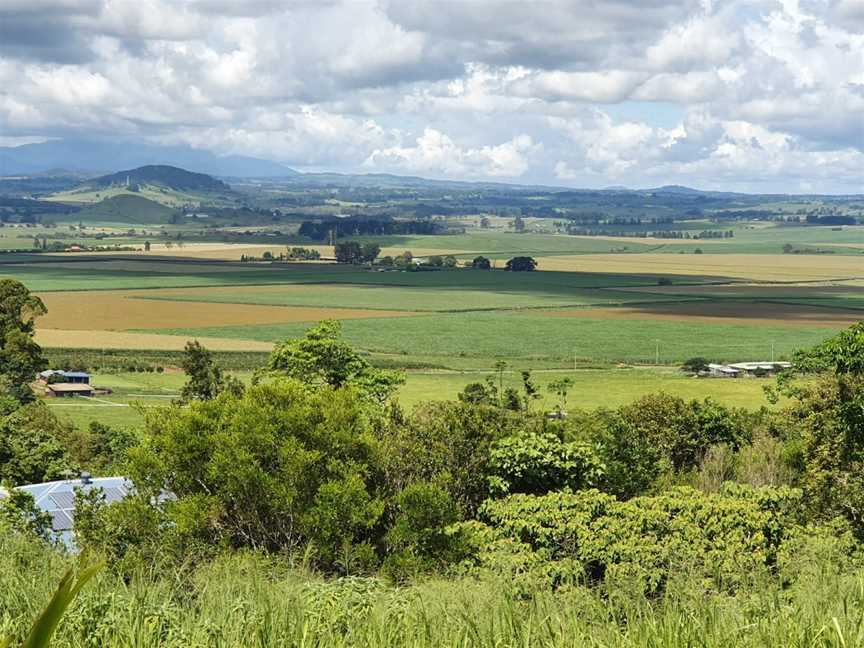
44	627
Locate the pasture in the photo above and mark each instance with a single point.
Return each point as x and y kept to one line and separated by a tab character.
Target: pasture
592	388
534	336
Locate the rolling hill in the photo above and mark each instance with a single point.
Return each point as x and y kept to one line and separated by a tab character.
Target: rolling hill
168	185
127	208
170	177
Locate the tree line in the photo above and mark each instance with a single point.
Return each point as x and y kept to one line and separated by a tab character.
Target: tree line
331	229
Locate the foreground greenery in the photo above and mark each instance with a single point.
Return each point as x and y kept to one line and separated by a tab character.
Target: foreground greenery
252	600
308	508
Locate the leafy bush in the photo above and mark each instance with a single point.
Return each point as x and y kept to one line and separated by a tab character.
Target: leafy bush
537	463
717	538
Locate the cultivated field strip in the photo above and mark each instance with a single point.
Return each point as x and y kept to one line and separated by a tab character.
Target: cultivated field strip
755	267
121	310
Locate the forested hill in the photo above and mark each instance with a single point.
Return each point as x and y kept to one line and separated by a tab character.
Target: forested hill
170	177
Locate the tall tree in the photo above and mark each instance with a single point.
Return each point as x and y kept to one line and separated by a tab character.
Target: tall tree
20	356
369	252
348	252
206	379
322	357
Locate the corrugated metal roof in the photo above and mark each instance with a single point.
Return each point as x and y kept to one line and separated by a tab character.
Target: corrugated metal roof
57	498
70	387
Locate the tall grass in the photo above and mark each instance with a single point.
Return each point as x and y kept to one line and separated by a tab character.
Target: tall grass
252	601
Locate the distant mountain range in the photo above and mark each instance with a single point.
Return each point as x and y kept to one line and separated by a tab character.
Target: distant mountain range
74	159
97	156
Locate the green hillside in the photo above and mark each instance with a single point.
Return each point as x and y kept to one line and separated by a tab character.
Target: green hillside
163	184
162	175
127	208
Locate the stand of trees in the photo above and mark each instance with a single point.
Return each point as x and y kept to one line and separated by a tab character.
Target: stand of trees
337	228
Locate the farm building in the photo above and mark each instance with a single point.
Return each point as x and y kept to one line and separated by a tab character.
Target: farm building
58	499
746	369
75	377
69	389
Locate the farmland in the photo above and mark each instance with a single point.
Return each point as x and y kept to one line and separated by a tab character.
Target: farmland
641	305
133	392
568	384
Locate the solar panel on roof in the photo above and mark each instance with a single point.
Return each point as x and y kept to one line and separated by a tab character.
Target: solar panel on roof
61	521
64	499
113	494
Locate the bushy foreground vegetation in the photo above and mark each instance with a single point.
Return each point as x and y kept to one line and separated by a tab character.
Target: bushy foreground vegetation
309	508
247	599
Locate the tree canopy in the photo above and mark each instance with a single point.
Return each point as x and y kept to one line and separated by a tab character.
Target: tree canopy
521	264
322	357
20	356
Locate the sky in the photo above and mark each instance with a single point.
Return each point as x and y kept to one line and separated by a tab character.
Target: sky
745	95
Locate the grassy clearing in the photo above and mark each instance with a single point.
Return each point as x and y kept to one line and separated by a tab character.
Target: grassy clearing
485	336
594	388
172	197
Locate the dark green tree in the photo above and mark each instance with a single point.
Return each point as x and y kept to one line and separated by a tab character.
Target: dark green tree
481	263
348	252
205	378
322	357
369	252
20	357
282	466
521	264
826	425
695	365
31	450
19	511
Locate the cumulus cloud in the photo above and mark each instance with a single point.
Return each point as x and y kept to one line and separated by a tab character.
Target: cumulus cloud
436	153
570	91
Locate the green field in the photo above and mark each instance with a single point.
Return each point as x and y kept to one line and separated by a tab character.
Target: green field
50	273
592	388
435	299
747	239
526	337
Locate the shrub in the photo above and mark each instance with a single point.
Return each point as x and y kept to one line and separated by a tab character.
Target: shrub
537	463
721	539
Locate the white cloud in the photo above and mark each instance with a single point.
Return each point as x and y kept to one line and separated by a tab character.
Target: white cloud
436	153
770	89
